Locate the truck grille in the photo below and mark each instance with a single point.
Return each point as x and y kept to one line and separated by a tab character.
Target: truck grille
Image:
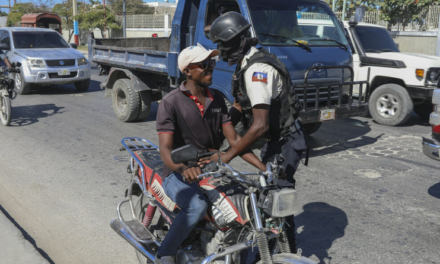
60	63
55	75
325	93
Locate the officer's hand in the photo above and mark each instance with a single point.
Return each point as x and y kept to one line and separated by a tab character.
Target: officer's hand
190	174
214	158
236	105
282	176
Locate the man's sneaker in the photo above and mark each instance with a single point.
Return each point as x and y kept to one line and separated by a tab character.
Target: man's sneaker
164	260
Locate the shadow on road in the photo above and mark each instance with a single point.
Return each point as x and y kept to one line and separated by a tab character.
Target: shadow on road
65	89
30	114
318	227
434	190
27	236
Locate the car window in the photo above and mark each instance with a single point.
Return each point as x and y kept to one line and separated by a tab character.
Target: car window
5	38
375	39
216	8
38	40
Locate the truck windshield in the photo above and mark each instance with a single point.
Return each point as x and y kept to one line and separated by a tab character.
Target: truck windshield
308	22
38	40
375	39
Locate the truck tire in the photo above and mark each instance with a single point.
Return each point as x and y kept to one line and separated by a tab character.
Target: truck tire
423	109
145	105
125	100
82	85
239	128
21	86
390	105
312	127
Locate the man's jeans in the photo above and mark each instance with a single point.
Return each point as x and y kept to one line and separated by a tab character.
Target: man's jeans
193	203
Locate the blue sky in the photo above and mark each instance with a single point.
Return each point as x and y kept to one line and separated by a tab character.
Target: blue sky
6	2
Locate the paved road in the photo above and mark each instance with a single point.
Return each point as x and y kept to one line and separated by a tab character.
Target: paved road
368	196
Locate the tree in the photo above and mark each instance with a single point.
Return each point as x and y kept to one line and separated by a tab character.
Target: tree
350	6
405	11
131	7
17	11
42	5
94	18
64	10
3	13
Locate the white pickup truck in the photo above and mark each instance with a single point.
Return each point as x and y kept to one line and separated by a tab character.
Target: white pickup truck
399	82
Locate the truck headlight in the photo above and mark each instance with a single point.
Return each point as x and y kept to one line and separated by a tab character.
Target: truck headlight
82	61
36	63
433	76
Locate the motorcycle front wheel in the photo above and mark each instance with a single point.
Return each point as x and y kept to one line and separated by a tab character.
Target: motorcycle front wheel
5	110
156	225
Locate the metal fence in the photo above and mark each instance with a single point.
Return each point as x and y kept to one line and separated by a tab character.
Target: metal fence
429	20
145	21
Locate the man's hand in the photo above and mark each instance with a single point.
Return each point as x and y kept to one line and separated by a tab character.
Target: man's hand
190	174
213	158
236	105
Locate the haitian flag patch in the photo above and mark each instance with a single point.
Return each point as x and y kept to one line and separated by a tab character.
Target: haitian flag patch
259	77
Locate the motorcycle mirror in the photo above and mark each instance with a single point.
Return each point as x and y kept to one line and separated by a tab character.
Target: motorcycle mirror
184	154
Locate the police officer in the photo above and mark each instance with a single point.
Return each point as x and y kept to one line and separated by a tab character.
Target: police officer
262	87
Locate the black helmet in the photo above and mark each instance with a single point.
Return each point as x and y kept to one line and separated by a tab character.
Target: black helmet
228	26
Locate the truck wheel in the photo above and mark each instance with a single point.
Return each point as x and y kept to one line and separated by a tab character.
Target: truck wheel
125	100
390	105
21	87
145	105
312	127
82	85
423	109
239	128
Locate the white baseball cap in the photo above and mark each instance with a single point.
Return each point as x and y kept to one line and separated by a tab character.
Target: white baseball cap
194	54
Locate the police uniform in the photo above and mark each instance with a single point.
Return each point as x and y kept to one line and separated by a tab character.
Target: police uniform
261	83
264	84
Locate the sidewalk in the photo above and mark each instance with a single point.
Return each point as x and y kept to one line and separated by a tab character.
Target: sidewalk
14	248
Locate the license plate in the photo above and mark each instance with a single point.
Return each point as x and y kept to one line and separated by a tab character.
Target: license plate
328	114
62	72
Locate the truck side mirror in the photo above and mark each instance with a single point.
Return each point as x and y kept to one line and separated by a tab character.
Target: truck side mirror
73	45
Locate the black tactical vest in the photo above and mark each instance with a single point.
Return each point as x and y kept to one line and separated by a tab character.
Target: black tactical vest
283	110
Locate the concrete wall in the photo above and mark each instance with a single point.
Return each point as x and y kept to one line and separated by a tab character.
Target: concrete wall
131	33
424	42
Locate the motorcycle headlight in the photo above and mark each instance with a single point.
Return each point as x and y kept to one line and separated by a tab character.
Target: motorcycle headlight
280	203
82	61
36	63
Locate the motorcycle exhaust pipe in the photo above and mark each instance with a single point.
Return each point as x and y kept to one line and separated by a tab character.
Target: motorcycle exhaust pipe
117	226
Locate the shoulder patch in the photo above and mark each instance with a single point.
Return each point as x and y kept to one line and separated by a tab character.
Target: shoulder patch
259	77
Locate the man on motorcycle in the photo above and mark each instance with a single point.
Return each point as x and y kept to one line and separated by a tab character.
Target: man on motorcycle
262	87
196	115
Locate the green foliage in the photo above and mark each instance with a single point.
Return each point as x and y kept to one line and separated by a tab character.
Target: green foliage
17	11
131	7
94	18
3	13
351	5
405	11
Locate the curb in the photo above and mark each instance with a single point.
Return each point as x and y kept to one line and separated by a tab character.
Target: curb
14	248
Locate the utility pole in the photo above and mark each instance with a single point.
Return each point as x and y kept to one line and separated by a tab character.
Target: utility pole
75	22
343	10
333	5
105	30
124	26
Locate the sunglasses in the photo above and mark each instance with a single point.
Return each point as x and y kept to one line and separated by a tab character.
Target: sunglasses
206	64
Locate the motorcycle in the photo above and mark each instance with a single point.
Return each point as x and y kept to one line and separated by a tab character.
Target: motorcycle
246	210
7	93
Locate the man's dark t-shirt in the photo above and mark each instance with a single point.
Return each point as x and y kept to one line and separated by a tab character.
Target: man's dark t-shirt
181	114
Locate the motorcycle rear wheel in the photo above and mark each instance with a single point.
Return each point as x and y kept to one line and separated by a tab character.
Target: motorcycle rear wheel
5	110
158	222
